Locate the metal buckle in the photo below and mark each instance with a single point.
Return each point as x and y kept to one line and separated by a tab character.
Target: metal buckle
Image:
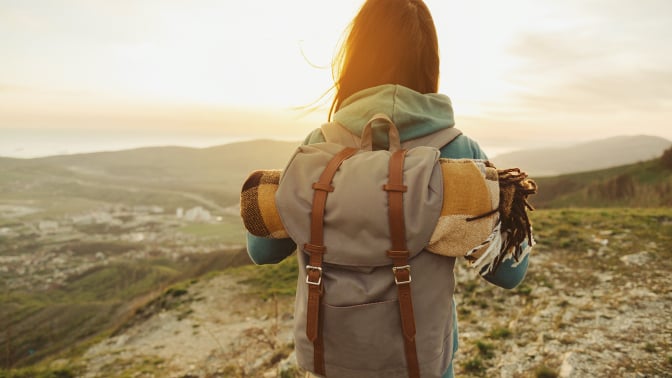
396	268
319	280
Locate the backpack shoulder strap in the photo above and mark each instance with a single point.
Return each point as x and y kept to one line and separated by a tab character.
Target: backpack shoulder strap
437	139
334	132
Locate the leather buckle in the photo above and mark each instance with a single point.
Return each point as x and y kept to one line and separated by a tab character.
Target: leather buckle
319	278
395	269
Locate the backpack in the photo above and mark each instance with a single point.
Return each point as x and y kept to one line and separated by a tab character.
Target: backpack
361	218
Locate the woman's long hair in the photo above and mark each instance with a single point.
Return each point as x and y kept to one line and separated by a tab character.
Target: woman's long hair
388	42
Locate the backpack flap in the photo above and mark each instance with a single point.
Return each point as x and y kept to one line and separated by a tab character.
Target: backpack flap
356	226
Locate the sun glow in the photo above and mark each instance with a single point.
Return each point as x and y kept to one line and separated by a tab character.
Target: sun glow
253	54
98	64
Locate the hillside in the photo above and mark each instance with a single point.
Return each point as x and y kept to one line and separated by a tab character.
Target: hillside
589	156
595	303
179	163
644	184
211	177
85	239
180	176
89	242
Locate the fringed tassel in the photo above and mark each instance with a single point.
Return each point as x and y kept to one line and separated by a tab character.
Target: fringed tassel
494	242
513	227
514	189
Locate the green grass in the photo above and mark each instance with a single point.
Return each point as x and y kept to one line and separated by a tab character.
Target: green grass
474	365
38	373
645	184
577	228
545	372
269	280
500	333
485	349
39	324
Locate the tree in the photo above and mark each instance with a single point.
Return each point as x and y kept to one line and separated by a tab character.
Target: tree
666	159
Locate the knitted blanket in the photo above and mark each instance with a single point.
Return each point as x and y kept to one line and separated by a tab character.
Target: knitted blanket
483	215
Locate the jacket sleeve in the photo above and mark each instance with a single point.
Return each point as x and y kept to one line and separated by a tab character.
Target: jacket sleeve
510	273
268	251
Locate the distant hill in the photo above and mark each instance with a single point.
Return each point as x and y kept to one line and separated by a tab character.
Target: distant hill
181	176
643	184
214	174
181	163
589	156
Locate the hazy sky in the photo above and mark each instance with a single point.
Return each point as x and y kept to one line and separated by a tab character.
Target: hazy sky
81	75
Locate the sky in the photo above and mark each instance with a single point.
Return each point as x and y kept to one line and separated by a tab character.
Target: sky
87	75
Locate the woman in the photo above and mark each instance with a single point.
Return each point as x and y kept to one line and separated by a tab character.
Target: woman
389	63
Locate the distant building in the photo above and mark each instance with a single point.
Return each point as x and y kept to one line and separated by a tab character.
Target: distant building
48	226
98	217
198	214
179	212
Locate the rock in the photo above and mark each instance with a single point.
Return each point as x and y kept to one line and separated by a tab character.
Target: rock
288	365
508	370
567	368
552	347
604	277
639	259
121	340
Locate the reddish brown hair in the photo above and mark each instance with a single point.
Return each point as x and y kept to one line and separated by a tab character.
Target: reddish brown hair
388	42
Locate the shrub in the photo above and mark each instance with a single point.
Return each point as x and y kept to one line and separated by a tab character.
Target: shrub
666	159
545	372
475	365
500	333
34	373
485	349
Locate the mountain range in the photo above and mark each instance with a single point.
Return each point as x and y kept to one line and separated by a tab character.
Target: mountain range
588	156
216	174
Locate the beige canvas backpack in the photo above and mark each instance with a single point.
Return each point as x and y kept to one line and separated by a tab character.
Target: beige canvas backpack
370	301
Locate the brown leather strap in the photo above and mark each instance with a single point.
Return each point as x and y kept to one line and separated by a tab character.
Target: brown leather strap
316	250
399	254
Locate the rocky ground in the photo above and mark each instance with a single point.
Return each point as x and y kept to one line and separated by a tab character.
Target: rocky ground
209	328
579	322
597	302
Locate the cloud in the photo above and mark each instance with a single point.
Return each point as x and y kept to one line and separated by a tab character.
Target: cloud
631	91
608	72
615	57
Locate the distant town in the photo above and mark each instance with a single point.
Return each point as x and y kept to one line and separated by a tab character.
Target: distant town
43	254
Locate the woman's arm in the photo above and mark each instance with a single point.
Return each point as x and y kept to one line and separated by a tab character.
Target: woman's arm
271	251
510	273
268	251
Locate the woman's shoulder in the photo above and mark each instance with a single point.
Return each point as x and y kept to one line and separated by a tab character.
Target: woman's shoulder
463	147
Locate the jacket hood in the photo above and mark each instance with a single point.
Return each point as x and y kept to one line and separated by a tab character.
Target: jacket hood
415	114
